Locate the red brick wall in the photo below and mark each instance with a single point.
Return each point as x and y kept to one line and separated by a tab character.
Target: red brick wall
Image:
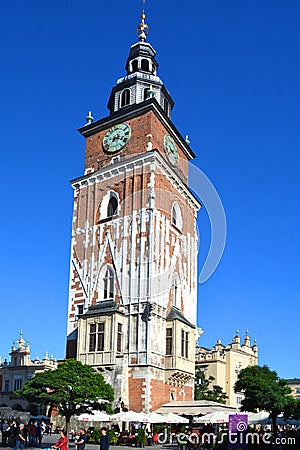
141	126
160	393
136	390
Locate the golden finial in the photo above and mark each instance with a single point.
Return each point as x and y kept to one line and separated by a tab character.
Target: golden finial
143	29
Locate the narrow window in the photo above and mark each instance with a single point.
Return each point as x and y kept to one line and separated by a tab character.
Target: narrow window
176	218
125	97
184	344
135	65
169	339
146	93
145	65
6	386
17	384
108	284
100	344
79	309
112	207
92	343
119	337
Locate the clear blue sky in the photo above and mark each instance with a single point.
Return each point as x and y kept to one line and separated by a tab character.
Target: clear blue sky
233	70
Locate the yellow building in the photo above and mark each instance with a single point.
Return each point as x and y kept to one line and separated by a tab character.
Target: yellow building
294	384
14	373
225	362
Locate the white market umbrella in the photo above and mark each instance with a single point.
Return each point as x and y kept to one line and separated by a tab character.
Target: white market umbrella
175	418
151	417
214	417
128	416
95	416
100	416
85	417
156	418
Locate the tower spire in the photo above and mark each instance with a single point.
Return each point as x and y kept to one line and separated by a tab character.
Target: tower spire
143	29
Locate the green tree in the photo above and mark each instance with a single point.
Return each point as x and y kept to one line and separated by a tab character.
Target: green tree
73	387
141	437
203	391
263	390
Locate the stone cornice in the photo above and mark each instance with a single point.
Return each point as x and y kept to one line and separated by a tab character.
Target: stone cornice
123	165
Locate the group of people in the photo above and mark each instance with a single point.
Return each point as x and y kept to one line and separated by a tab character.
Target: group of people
129	438
33	432
19	436
13	434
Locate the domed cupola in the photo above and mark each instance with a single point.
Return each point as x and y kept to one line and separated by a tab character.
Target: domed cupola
141	81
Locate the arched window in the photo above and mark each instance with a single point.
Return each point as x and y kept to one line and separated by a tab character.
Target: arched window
109	207
166	106
125	97
108	283
176	218
145	65
135	65
112	207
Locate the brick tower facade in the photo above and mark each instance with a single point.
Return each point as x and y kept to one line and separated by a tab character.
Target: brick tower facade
133	289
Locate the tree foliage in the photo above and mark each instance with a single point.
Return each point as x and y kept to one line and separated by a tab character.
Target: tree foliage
264	390
73	388
203	391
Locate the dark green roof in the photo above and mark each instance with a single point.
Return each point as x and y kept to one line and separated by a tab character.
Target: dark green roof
102	308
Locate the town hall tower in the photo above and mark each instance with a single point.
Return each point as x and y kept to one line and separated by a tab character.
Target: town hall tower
133	269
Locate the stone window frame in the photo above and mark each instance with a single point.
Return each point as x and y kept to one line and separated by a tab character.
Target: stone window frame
124	98
184	347
96	334
104	217
176	216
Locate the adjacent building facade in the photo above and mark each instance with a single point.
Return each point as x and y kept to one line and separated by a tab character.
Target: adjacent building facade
19	369
294	384
133	269
224	362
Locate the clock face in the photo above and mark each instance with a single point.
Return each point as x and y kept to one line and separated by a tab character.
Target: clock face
116	138
171	150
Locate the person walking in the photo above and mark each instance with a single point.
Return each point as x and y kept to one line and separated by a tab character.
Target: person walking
32	434
5	428
20	437
82	439
104	440
62	442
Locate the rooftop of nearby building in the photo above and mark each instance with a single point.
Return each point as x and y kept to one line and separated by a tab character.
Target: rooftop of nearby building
20	356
